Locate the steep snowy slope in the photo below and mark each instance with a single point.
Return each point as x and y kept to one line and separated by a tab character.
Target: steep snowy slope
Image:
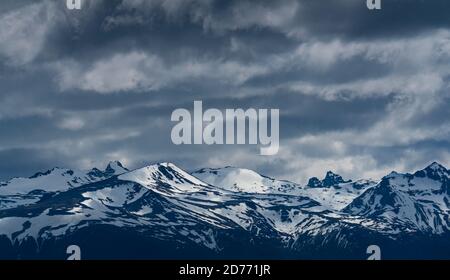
415	202
165	178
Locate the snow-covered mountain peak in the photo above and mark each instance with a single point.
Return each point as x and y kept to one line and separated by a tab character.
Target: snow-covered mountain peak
336	196
334	193
435	166
434	171
56	179
165	178
332	179
429	179
419	201
54	170
314	182
115	168
59	179
168	165
243	180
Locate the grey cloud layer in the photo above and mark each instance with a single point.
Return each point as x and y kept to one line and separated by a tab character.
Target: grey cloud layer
360	92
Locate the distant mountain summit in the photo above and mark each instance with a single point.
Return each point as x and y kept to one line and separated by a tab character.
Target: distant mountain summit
58	179
331	179
244	180
418	201
115	168
314	182
434	171
333	192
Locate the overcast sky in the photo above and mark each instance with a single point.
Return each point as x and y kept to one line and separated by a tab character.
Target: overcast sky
360	92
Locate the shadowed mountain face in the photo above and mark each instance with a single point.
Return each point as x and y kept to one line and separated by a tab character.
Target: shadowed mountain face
331	179
161	211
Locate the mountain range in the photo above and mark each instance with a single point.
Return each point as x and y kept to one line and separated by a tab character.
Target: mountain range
163	212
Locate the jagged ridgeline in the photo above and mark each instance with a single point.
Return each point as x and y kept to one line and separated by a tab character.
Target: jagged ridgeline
163	212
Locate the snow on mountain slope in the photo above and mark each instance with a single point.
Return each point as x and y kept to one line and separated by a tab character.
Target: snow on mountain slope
115	168
332	192
165	178
215	204
53	180
331	179
243	180
12	201
58	179
164	202
338	196
162	198
413	201
24	191
71	210
150	198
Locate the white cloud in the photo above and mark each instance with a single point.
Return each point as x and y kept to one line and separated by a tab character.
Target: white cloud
72	123
240	15
23	32
138	71
416	79
415	67
414	84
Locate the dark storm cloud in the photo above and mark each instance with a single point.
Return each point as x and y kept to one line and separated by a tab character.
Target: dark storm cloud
326	17
351	18
361	92
26	162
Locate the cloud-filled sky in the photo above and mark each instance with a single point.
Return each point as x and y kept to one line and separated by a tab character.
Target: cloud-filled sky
360	92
